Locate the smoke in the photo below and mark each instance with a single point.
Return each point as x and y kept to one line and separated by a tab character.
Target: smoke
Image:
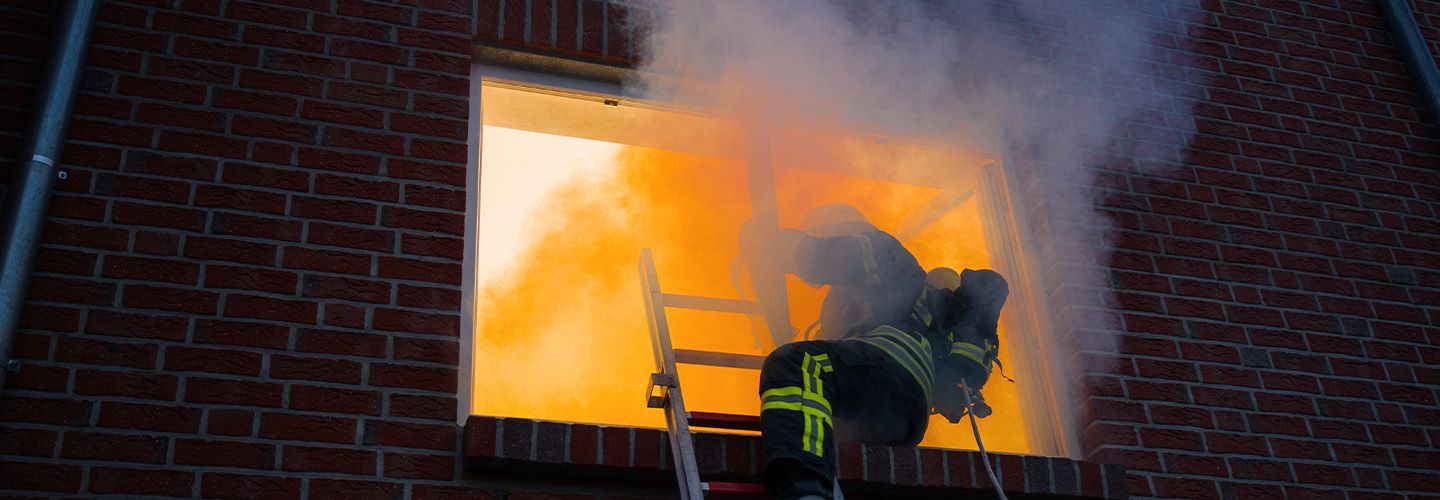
1065	91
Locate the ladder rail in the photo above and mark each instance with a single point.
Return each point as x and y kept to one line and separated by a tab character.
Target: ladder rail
687	473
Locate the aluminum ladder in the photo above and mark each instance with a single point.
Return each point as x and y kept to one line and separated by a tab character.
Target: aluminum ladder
664	389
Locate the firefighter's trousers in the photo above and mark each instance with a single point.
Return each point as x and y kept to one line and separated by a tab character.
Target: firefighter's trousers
810	391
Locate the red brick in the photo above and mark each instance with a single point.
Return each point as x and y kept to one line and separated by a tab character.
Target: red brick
250	175
449	85
121	415
444	299
143	188
67	412
157	216
339	161
242	333
254	79
164	90
446	174
286	39
202	169
30	442
189	69
342	343
74	291
335	400
426	196
307	428
233	392
344	315
99	352
218	485
113	447
413	377
256	227
245	455
419	270
147	269
351	237
267	308
239	199
407	435
363	140
37	378
230	422
41	476
415	322
161	114
432	246
336	488
341	114
377	292
201	144
349	27
50	318
259	280
229	250
227	361
340	460
410	466
426	350
210	50
136	325
319	369
170	299
327	261
172	22
426	407
333	210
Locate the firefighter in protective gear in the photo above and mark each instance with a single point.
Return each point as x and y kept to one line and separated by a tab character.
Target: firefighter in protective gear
877	380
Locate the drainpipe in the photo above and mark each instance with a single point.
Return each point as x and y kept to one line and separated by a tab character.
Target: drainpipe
1411	43
28	197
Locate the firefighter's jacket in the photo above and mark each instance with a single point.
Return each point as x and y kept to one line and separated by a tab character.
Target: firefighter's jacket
883	300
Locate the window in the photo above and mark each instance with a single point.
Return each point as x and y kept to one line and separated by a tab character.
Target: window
575	181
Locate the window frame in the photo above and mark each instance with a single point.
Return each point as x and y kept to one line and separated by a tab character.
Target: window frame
1009	254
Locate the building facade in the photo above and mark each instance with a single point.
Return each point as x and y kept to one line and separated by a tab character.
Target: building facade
251	275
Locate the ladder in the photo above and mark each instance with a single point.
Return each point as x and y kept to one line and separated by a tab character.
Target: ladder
664	389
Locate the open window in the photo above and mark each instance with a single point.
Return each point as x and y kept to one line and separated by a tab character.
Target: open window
574	180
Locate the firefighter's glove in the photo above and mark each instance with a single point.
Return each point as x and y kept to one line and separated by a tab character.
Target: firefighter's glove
773	248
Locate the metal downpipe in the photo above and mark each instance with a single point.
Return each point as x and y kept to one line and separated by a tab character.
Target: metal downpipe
28	197
1412	44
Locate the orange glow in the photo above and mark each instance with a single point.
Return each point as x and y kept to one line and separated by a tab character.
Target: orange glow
560	326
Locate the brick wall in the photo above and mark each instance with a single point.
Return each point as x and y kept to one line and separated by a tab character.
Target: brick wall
250	280
1278	290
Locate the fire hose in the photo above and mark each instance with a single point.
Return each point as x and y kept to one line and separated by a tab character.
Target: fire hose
975	427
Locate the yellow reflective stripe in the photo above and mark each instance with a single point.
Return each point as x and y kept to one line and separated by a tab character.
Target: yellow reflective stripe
969	356
782	405
867	254
890	349
805	444
919	349
781	391
956	347
920	312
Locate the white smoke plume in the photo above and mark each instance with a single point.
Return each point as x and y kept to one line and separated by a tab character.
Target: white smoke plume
1064	90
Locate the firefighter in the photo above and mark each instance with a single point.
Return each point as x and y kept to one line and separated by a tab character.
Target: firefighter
877	380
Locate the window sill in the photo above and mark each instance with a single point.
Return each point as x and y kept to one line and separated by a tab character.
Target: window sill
573	453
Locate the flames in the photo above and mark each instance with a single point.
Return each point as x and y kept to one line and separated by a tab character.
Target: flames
560	326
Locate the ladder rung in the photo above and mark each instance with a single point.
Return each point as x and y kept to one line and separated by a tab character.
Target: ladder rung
709	303
725	421
712	358
722	490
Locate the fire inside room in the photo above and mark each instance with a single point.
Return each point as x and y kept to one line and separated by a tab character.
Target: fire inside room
574	185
